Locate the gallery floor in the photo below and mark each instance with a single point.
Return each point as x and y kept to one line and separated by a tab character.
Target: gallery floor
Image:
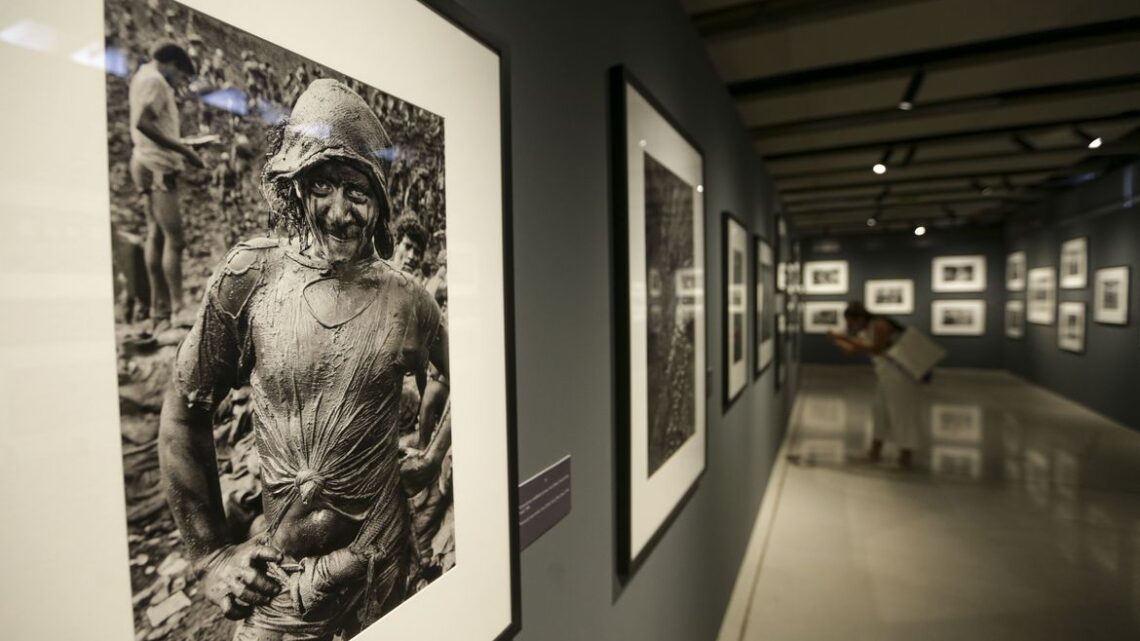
1020	521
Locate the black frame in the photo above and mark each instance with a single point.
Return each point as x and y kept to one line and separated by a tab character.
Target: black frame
618	77
728	218
1127	309
459	16
758	369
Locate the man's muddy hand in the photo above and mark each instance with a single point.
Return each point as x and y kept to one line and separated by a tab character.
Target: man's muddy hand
417	468
236	578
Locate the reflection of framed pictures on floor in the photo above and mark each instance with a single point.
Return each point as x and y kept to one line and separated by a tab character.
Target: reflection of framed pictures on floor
314	192
659	302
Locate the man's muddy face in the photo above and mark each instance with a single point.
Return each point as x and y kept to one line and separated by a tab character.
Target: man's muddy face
407	255
341	208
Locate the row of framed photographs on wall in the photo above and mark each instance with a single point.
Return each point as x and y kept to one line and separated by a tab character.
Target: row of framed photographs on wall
949	275
1074	270
948	317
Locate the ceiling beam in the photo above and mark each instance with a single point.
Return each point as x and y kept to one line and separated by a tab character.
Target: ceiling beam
942	192
953	106
993	50
768	15
936	162
935	204
880	182
956	136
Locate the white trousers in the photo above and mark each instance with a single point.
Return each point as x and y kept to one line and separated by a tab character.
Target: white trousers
895	408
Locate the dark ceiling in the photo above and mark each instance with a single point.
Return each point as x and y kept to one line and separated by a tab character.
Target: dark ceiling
1004	98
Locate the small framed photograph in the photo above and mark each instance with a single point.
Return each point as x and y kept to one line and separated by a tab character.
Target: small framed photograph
959	274
1075	263
763	322
958	317
1111	295
735	251
1042	296
889	296
1015	319
825	277
1015	272
821	317
1071	329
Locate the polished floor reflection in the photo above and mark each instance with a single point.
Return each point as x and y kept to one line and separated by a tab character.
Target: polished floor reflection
1019	520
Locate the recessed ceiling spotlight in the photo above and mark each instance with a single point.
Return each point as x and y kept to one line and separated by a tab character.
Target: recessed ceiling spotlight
906	105
871	222
920	231
1095	143
879	168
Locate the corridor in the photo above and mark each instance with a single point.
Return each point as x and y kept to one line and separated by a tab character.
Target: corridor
1020	521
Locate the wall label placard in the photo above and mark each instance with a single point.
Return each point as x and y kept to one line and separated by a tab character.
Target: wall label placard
544	500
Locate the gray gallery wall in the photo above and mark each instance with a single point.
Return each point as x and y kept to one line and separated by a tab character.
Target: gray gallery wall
902	255
560	55
1106	377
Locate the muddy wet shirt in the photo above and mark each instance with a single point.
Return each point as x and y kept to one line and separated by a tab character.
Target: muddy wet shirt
325	359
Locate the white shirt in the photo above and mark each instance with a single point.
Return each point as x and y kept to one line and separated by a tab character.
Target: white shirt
149	88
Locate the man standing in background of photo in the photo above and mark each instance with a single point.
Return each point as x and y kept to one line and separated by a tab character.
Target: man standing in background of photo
157	160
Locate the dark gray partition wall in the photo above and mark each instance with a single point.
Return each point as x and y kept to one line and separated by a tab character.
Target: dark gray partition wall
1106	377
560	52
902	255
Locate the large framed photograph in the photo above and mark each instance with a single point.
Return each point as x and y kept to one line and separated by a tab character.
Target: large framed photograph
821	317
735	270
763	321
1015	266
659	303
311	253
889	296
1041	297
952	274
1111	305
1014	319
1071	326
1075	263
823	277
958	317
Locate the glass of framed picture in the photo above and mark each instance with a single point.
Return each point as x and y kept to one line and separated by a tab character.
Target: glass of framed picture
1075	263
291	268
1041	296
764	318
659	302
958	274
1071	326
1015	272
824	277
1111	304
734	247
889	296
958	317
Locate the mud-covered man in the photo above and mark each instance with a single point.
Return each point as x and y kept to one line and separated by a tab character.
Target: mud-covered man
324	331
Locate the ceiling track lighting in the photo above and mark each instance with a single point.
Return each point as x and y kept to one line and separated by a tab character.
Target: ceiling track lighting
1092	142
912	87
920	230
880	167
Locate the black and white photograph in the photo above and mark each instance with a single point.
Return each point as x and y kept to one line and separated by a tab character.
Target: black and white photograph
955	423
763	320
889	296
1014	319
1015	265
1071	326
659	297
956	462
958	274
824	277
1110	302
958	317
1041	296
1075	263
821	317
734	246
271	217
